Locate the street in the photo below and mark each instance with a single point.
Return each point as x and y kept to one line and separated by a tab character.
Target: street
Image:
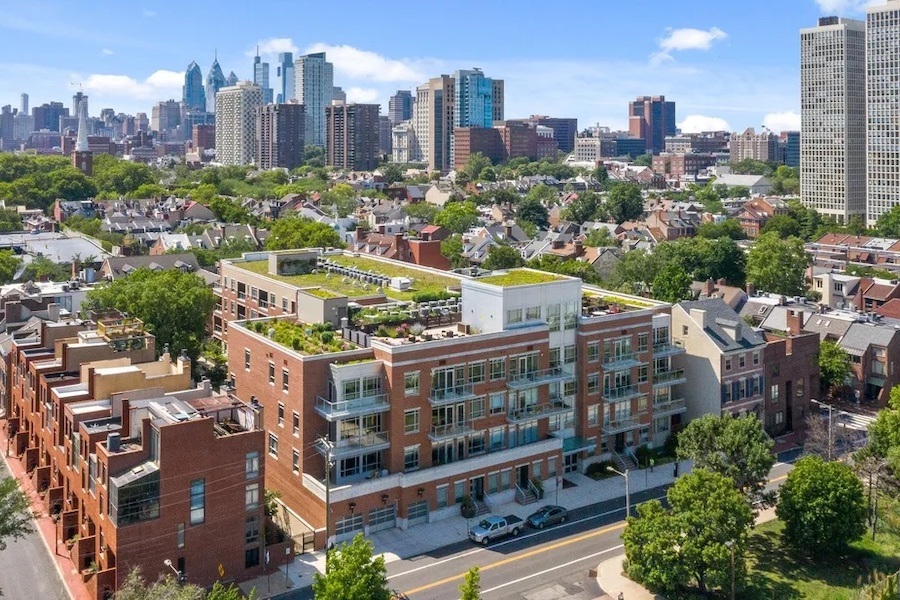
26	568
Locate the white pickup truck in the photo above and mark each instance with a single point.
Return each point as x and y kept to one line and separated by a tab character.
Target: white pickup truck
493	527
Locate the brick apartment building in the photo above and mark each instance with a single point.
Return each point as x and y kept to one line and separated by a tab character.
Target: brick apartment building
678	166
133	465
514	379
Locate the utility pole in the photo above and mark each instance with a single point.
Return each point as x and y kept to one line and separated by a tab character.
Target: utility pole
830	430
328	447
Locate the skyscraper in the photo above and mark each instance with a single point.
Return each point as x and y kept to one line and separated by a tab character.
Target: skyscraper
236	123
433	122
338	93
352	136
261	77
478	101
652	118
215	81
882	91
279	134
833	117
285	73
79	102
313	86
400	107
165	117
193	95
231	80
24	108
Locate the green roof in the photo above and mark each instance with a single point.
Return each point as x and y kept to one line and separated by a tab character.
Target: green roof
422	281
302	337
322	293
520	277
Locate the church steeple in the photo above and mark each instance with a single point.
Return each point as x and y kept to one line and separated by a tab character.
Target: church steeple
81	142
82	157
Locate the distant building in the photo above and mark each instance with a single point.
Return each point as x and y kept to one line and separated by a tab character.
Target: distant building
236	123
261	77
652	118
678	166
433	115
762	146
791	148
165	118
215	81
477	101
284	71
24	106
400	107
314	86
193	95
338	93
204	137
403	143
564	129
385	131
46	116
82	157
352	136
279	131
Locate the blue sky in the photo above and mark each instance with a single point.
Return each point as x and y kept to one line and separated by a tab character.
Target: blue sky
726	63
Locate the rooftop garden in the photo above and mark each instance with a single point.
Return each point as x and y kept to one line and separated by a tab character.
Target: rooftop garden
304	338
322	293
606	301
422	281
520	277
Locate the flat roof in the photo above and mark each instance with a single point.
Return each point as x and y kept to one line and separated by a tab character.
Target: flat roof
516	277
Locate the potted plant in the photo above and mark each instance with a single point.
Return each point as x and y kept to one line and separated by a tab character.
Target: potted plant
539	486
467	507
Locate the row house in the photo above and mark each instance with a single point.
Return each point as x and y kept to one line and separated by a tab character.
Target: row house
756	212
492	393
132	464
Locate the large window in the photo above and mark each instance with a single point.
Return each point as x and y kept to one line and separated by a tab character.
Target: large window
411	383
134	501
198	501
411	418
476	372
411	458
251	496
252	465
251	529
498	368
285	380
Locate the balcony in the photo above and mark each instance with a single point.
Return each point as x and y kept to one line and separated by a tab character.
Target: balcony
621	361
666	378
621	423
669	407
535	378
341	409
667	349
371	441
621	393
536	411
458	393
449	431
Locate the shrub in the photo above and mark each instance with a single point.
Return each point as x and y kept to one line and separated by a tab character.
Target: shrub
599	470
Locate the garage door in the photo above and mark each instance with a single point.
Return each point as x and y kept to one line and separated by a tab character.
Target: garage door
382	518
346	528
418	513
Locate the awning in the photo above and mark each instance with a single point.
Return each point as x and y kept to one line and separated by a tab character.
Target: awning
875	380
855	352
576	444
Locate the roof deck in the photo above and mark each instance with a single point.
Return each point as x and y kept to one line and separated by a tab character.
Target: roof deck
303	338
597	302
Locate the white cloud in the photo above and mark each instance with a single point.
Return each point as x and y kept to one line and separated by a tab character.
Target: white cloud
686	38
274	46
362	64
106	52
159	85
782	121
841	7
698	123
362	95
148	14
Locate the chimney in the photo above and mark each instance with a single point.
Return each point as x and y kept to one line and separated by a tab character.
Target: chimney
126	416
52	312
579	248
709	287
699	316
751	289
508	231
794	322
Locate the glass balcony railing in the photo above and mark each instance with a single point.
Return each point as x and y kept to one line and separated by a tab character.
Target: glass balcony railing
669	377
536	411
364	442
539	377
449	430
667	349
621	423
621	392
457	393
339	409
669	407
613	361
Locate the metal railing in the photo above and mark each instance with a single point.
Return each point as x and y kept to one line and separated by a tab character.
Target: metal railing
335	409
534	411
619	359
457	393
362	442
667	348
667	376
450	430
621	392
538	377
672	406
621	424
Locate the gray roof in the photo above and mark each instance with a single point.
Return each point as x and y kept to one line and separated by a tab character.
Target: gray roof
123	265
720	316
828	326
777	319
862	335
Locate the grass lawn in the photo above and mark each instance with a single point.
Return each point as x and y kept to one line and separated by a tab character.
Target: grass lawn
777	573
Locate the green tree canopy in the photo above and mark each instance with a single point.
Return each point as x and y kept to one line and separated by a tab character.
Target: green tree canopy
15	516
507	196
175	306
391	173
584	208
884	433
470	589
644	160
116	177
422	210
502	257
888	223
834	365
542	193
457	217
475	164
313	156
573	268
784	226
778	266
294	231
672	284
688	546
352	573
738	448
822	506
532	211
451	249
599	238
136	588
625	202
730	228
9	265
341	199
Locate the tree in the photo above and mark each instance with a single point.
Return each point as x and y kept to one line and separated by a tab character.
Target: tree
532	211
669	551
599	238
884	433
507	196
457	217
784	226
175	306
644	160
475	164
313	156
352	573
542	193
573	268
294	231
502	257
583	208
232	592
888	223
470	589
116	177
15	518
136	588
9	265
737	448
391	173
42	268
451	249
822	506
778	266
834	365
625	202
341	198
672	284
730	228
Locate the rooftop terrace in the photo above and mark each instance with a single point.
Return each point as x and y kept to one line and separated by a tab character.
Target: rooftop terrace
303	338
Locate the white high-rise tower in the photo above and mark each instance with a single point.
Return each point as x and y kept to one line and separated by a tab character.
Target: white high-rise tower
236	123
314	86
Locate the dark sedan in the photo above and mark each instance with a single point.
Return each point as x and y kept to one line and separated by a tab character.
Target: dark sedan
548	515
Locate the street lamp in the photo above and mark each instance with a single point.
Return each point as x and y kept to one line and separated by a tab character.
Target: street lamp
830	409
730	545
627	495
178	574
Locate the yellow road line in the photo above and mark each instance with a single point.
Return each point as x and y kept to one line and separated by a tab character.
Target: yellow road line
513	559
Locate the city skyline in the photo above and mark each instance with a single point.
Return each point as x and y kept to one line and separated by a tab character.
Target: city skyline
710	62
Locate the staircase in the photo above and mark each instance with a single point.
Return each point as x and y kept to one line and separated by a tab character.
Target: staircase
481	508
623	462
525	496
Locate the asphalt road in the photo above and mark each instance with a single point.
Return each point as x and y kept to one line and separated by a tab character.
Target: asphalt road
27	571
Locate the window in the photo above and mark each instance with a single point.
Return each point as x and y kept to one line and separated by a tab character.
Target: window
742	361
476	408
251	529
179	535
411	383
198	501
571	316
553	317
284	304
246	359
593	383
774	393
593	351
273	445
459	491
776	370
251	496
251	465
569	354
779	417
498	368
728	363
295	461
801	389
296	423
514	315
476	372
285	376
505	478
532	313
642	375
594	414
661	424
684	330
251	557
496	439
498	403
756	358
442	496
492	482
570	388
411	458
476	443
643	339
411	418
281	414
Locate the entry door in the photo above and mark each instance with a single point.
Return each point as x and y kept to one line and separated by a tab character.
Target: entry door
523	476
477	487
620	442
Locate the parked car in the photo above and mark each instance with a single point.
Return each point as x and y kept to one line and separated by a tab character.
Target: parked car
547	515
493	527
